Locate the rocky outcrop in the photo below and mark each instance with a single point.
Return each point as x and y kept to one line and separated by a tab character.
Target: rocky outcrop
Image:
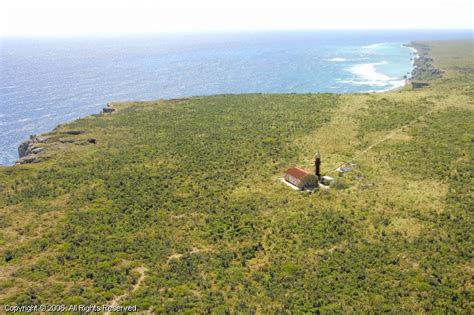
106	110
424	65
23	148
73	132
37	150
29	159
29	151
419	85
62	140
29	146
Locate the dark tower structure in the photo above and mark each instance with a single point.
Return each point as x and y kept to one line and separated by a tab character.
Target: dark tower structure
317	165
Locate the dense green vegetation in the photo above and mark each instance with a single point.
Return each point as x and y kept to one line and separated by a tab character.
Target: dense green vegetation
189	190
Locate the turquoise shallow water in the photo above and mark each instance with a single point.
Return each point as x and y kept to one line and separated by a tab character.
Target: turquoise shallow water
46	81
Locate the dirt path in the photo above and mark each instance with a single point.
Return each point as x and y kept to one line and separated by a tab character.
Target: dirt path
117	299
387	137
194	250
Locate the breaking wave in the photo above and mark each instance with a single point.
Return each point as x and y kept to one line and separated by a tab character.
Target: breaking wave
366	74
372	46
337	59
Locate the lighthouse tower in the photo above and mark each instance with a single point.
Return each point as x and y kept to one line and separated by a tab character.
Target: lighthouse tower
317	165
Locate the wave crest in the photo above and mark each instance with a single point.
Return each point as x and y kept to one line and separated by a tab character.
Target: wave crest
337	59
366	74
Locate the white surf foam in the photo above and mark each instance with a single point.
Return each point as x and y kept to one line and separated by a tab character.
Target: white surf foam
413	51
366	74
337	59
372	46
394	84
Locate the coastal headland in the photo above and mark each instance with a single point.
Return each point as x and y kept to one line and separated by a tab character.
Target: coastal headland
175	206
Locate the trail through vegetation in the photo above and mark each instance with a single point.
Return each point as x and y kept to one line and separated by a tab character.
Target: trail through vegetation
387	137
116	301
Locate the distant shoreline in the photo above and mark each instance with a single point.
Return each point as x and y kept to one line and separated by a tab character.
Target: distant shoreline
391	89
416	55
424	68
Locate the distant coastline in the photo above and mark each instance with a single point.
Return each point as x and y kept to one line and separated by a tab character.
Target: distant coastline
374	74
424	68
408	79
72	90
30	150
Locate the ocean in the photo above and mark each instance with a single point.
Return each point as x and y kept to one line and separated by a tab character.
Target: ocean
47	81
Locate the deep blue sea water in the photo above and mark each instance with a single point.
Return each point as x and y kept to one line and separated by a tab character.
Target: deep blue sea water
47	81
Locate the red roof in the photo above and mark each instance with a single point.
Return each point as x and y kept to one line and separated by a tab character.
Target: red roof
297	172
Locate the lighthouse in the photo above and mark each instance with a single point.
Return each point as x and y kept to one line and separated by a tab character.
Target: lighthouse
317	165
